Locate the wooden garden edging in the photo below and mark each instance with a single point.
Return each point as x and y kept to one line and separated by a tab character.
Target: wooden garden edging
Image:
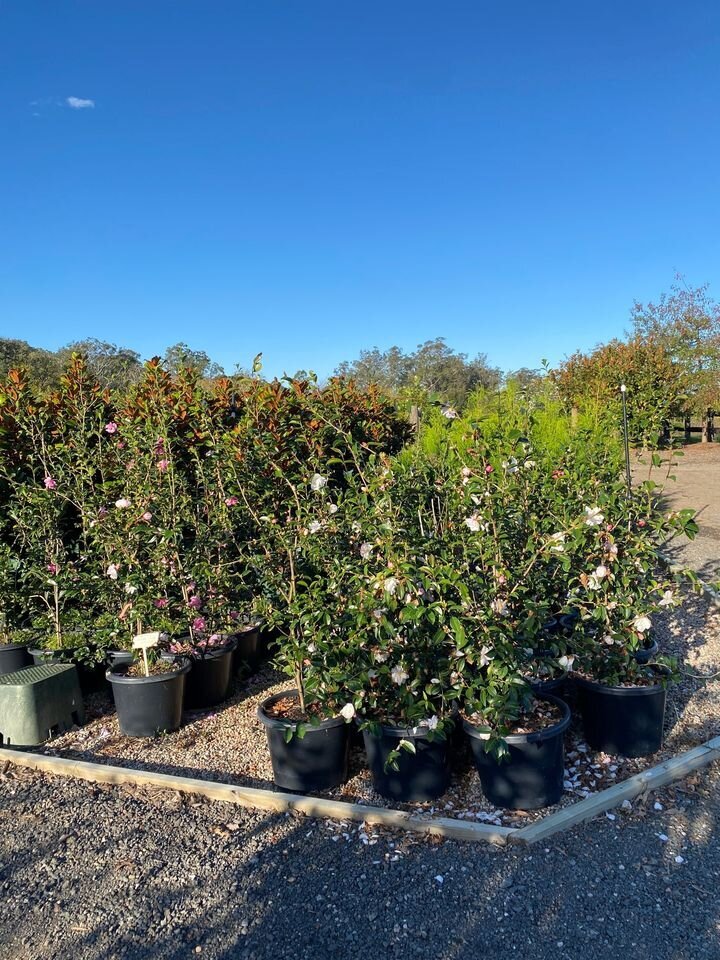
447	827
258	798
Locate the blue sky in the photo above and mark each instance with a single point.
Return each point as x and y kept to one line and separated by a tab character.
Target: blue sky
311	178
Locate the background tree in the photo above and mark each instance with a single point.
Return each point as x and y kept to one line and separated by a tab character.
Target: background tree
113	367
433	368
656	384
686	324
42	366
180	355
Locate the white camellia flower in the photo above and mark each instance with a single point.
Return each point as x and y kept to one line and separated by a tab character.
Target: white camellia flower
642	624
399	675
593	516
431	723
380	656
557	542
314	526
601	572
484	656
450	412
529	464
390	586
667	599
609	639
472	523
129	588
366	550
112	571
311	648
332	508
123	503
593	582
510	465
466	471
347	712
566	662
317	482
500	607
611	551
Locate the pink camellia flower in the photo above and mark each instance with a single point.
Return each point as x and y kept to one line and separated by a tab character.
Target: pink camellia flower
195	602
199	624
121	444
488	469
147	516
50	484
103	512
641	523
159	447
162	465
52	568
231	501
234	615
111	427
160	603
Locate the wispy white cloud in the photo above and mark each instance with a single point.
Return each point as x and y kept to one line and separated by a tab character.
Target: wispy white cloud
78	103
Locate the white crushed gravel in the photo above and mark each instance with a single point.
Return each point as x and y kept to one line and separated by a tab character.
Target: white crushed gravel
228	743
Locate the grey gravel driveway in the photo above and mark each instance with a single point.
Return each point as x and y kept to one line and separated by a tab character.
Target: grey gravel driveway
94	872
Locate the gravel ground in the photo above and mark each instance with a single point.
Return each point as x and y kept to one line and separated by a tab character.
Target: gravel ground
229	743
696	485
100	873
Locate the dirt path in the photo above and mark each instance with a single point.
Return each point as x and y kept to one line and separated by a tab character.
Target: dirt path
697	485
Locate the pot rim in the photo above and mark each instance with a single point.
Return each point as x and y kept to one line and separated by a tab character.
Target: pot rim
277	724
211	653
15	646
536	736
113	676
614	691
53	651
407	733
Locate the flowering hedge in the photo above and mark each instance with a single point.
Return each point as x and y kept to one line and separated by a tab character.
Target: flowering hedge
405	582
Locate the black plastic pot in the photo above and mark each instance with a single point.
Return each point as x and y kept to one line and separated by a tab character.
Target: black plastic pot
248	650
208	683
533	775
555	686
423	775
647	653
623	721
91	675
117	659
147	706
318	761
14	656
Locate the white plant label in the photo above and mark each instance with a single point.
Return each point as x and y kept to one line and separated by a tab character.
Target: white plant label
144	641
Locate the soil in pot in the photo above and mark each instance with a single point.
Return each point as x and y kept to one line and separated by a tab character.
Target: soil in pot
150	705
532	776
422	775
208	683
14	656
316	761
624	721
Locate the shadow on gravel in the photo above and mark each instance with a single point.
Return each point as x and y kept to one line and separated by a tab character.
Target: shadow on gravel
105	874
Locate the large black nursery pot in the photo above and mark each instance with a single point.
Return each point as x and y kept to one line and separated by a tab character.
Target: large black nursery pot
532	776
91	675
248	649
623	721
14	656
116	659
150	705
208	682
317	761
423	775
